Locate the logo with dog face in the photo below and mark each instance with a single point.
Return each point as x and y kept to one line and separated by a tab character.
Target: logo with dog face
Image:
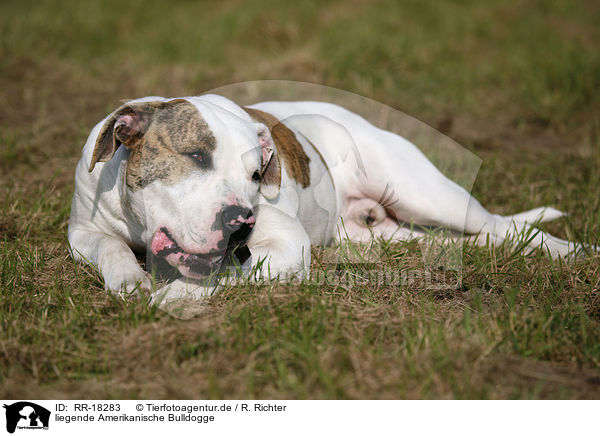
26	415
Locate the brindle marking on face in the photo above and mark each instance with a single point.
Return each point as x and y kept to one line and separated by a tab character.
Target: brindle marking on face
291	151
176	131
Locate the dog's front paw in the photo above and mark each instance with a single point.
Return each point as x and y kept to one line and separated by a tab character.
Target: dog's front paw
281	265
182	299
126	281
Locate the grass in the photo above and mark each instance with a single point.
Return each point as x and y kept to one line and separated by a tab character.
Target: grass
516	84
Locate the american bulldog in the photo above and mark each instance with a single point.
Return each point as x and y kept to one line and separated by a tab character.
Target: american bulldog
202	184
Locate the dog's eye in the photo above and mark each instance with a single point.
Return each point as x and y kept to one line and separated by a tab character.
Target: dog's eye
256	176
202	159
197	156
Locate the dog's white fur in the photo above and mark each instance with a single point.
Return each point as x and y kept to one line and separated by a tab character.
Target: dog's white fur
352	165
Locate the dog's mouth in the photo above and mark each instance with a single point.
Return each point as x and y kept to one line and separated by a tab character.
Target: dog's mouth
193	265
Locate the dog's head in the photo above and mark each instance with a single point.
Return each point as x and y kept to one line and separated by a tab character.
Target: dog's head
195	170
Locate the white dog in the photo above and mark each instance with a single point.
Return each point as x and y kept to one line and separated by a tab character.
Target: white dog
192	179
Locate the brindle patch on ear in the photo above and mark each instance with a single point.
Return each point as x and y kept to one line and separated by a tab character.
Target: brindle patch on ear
291	151
107	143
177	129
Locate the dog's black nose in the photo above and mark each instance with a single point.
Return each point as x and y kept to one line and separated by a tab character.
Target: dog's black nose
237	223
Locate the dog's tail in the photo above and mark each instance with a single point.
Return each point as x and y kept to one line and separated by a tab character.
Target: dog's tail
523	227
537	215
521	230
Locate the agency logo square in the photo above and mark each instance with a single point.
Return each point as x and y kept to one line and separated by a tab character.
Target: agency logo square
25	415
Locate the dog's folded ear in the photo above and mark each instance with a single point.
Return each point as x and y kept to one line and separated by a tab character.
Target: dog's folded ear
127	125
270	172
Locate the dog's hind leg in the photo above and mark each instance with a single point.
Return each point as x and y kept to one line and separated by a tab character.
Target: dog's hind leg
413	190
370	163
364	219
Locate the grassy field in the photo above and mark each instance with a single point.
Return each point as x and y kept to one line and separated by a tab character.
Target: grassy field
517	83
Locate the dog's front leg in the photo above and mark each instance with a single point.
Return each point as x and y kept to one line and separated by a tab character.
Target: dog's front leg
279	246
114	259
